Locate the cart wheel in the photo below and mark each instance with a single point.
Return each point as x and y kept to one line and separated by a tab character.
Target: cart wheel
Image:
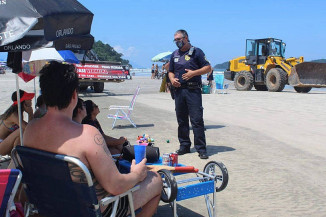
218	170
170	188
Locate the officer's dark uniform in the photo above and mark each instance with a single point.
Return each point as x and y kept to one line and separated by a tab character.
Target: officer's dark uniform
188	99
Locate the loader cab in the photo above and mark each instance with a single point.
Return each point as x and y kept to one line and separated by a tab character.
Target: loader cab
257	50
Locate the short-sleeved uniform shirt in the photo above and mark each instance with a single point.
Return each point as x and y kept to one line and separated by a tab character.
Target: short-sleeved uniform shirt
180	61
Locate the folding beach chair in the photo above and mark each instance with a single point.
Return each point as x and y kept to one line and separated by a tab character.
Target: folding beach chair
124	112
9	182
51	190
4	161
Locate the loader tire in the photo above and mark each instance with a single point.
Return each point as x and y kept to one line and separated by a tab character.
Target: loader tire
276	80
243	81
260	87
302	89
98	87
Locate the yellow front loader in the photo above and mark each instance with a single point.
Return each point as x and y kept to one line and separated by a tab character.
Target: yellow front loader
265	68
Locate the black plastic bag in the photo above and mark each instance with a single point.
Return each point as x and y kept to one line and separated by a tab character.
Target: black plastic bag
152	153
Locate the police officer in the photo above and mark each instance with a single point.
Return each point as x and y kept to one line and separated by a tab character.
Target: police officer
187	64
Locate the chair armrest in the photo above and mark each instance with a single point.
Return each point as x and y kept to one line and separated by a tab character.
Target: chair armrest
107	200
118	107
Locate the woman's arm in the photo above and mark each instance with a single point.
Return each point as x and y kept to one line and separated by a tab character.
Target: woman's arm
111	141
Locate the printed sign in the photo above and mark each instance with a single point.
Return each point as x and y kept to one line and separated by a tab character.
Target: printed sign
97	71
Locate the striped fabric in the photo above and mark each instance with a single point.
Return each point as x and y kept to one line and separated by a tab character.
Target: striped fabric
7	183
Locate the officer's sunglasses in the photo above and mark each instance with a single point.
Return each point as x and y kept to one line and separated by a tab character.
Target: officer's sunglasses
178	39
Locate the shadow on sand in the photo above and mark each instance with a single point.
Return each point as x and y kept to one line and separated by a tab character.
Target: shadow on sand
209	127
166	210
211	149
130	126
91	93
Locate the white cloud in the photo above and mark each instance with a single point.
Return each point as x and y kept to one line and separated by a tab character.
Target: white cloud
130	51
118	49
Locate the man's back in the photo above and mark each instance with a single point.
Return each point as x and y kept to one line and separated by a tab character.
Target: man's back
58	135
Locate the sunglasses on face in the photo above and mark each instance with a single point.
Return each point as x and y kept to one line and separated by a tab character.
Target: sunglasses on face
178	39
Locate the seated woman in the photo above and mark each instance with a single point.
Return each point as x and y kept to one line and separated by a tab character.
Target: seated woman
115	145
79	112
9	121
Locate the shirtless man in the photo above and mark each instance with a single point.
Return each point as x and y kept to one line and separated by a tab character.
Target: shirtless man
56	132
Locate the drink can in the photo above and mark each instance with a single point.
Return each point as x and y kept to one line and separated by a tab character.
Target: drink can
174	159
166	159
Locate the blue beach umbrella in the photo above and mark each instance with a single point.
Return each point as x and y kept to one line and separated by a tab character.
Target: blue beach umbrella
68	56
49	54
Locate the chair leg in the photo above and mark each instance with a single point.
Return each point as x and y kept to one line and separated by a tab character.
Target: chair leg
115	207
132	122
131	204
115	120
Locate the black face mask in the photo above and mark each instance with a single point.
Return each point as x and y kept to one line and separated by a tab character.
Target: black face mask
180	44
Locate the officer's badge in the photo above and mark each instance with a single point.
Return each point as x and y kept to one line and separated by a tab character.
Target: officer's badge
187	58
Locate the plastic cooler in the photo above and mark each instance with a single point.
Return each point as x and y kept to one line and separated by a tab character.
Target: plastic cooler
206	89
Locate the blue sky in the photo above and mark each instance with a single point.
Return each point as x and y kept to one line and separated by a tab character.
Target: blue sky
140	29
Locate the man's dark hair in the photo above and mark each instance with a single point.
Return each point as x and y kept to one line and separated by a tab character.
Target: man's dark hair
39	101
89	109
183	33
58	82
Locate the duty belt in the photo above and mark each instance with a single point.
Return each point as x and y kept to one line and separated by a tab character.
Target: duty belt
191	85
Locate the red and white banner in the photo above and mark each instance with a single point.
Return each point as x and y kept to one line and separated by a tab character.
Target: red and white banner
101	71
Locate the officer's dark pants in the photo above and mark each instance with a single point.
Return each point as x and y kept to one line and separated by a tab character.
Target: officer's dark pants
188	103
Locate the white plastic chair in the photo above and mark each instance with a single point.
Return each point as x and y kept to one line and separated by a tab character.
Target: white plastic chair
124	112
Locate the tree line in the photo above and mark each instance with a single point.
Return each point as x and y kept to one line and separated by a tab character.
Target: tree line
107	53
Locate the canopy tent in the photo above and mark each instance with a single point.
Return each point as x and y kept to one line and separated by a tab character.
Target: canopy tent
162	57
31	24
57	19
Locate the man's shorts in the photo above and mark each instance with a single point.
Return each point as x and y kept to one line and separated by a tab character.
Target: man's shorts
122	210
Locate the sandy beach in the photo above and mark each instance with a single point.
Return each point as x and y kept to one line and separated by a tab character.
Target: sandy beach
271	143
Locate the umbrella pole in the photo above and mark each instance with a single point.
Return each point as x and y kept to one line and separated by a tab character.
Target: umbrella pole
19	112
35	92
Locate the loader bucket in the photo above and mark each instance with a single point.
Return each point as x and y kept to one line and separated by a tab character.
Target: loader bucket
308	74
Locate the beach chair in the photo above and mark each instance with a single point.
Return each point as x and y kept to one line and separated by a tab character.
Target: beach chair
4	161
50	189
9	182
124	112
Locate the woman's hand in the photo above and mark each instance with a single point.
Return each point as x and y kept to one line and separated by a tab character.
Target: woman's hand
123	139
28	109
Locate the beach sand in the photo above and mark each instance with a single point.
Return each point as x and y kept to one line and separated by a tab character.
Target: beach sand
271	143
